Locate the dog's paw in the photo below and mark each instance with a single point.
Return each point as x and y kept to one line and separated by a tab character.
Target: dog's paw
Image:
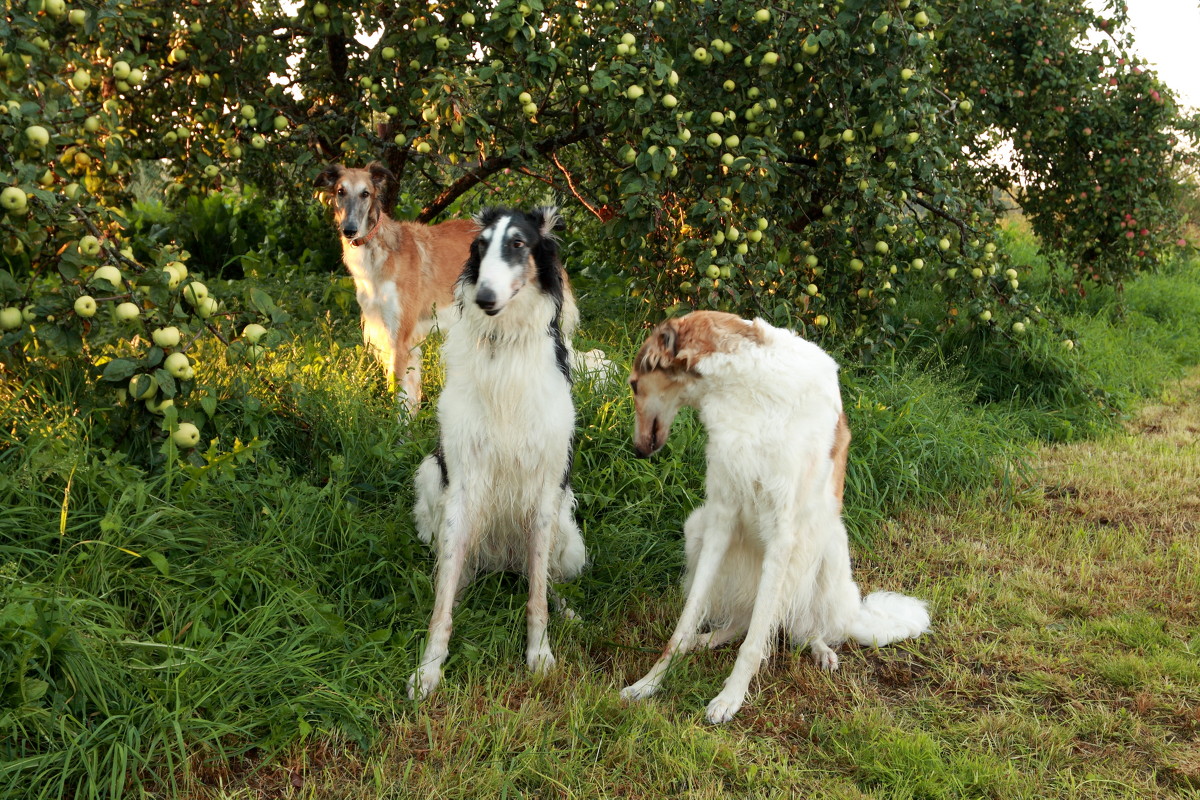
722	707
423	682
641	690
824	657
540	661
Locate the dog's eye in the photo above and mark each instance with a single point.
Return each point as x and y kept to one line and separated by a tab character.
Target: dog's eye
633	385
341	191
365	194
518	243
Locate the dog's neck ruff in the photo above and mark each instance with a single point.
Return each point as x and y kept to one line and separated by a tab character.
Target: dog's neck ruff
360	241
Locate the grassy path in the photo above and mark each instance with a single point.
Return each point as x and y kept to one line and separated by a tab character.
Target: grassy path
1065	662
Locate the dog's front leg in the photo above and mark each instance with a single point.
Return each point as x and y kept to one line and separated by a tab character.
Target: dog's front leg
713	528
452	546
537	612
763	621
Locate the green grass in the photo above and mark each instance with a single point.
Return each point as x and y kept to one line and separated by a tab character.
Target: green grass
243	626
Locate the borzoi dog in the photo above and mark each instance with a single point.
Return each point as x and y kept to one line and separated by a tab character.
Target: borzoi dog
496	494
404	272
767	549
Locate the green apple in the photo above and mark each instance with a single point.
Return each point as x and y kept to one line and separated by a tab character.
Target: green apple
906	74
700	55
159	407
401	139
11	318
985	315
943	244
976	273
442	43
107	272
732	234
28	314
320	10
142	387
918	263
77	17
714	139
882	248
257	141
770	58
1018	327
812	289
176	364
762	15
732	141
194	292
176	272
85	306
856	265
634	92
253	332
280	122
121	70
206	307
166	337
669	101
135	76
821	320
725	204
467	19
424	148
91	124
254	353
82	79
186	436
920	19
248	112
388	53
212	171
848	135
89	245
128	311
713	271
38	136
716	118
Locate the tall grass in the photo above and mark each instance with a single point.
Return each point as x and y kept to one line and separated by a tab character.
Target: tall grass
159	625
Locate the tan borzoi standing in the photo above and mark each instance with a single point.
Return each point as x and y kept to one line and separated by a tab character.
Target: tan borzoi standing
767	549
404	272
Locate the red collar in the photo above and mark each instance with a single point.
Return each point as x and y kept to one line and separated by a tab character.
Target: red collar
360	241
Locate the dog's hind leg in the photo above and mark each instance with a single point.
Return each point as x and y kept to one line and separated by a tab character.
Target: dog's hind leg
712	527
714	639
453	545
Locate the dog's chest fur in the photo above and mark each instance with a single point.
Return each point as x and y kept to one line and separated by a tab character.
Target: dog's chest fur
378	297
507	401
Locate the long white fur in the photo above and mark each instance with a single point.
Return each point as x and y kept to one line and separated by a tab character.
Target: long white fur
767	549
506	418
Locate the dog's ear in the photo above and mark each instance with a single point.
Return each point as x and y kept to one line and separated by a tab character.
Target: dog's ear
381	176
328	178
487	216
548	220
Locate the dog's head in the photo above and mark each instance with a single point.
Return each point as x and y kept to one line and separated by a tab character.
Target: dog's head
667	369
357	196
513	248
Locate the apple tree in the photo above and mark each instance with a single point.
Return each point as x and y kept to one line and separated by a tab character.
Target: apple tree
809	161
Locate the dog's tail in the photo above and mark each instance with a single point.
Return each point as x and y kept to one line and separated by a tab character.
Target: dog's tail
886	617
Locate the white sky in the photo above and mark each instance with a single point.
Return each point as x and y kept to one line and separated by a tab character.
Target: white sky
1166	34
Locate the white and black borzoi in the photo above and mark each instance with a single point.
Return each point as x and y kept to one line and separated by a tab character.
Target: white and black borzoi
404	272
767	549
496	494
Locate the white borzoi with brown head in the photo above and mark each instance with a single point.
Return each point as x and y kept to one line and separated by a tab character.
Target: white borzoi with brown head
404	272
496	495
767	549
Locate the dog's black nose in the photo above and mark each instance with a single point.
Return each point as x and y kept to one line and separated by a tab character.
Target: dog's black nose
349	232
485	298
